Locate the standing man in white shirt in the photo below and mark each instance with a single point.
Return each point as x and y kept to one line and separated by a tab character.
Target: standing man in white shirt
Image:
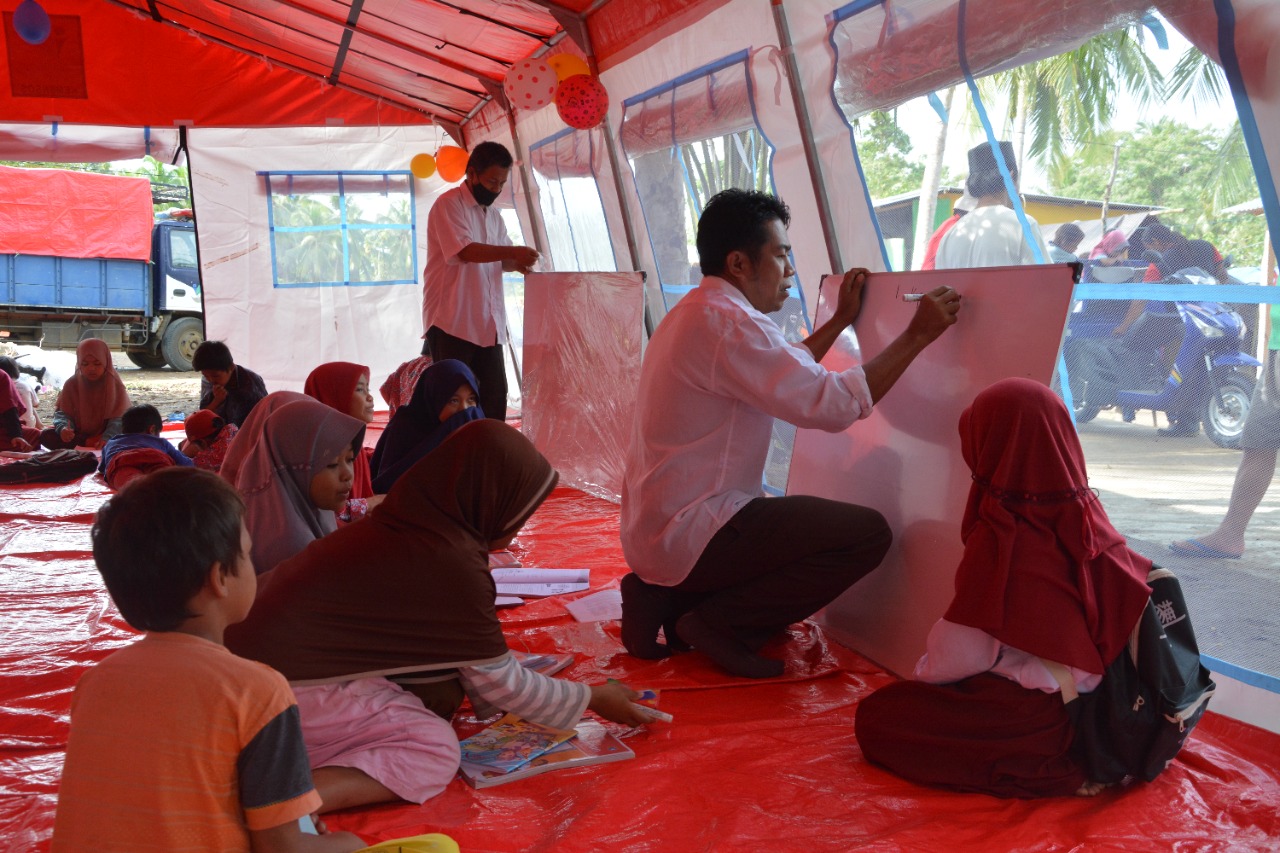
715	564
463	312
991	235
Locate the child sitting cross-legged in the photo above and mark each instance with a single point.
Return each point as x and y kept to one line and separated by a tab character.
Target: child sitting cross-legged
213	758
138	449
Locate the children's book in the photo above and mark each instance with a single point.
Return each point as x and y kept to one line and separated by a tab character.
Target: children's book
511	743
548	664
541	582
593	744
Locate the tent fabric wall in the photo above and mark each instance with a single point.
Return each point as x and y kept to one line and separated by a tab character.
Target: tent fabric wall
76	143
282	333
582	344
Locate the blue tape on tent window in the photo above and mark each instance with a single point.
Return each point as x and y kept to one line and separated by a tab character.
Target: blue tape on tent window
1014	198
688	77
1152	23
1241	674
851	9
1248	124
936	103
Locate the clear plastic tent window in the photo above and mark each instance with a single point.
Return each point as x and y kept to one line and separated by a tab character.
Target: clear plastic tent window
1132	158
564	168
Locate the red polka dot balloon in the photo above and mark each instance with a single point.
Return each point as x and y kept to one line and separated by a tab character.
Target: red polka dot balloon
581	101
530	84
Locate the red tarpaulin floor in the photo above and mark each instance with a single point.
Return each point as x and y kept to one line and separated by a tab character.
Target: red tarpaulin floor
744	767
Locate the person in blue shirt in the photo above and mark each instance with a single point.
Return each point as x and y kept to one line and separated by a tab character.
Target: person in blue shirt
138	449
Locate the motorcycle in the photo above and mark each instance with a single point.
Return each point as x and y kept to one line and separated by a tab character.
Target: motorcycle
1181	358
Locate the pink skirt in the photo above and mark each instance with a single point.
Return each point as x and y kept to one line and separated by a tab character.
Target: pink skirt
381	729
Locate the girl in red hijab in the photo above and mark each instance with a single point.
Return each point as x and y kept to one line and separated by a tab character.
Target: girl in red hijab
1044	576
344	386
91	403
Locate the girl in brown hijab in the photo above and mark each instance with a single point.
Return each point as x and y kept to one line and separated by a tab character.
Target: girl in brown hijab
91	403
407	592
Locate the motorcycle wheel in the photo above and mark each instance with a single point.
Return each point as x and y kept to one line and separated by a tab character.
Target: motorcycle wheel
1224	424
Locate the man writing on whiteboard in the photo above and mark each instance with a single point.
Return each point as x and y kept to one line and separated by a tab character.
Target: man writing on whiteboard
715	564
464	314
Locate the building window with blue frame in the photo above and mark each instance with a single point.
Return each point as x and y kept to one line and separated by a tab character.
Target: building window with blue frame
334	229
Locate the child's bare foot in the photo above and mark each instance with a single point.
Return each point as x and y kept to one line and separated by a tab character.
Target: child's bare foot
1090	789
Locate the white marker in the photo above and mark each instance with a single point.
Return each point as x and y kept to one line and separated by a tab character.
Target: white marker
653	713
912	297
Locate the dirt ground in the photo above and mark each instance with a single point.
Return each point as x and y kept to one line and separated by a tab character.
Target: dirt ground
166	389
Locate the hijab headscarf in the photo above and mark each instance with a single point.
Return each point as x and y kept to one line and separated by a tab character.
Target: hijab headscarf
298	441
407	589
416	429
91	405
1043	569
1111	244
247	437
9	396
334	384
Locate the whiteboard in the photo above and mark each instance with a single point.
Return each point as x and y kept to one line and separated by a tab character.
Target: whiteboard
904	459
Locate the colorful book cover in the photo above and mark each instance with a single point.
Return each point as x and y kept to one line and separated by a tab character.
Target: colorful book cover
510	743
593	744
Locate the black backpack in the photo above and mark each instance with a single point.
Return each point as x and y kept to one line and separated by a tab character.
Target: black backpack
52	466
1150	698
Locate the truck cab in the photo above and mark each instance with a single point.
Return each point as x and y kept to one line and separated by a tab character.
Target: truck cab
174	327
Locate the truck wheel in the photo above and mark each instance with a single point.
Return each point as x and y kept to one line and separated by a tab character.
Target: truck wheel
146	360
1225	424
180	342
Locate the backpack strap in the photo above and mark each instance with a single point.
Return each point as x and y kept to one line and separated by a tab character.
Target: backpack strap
1063	676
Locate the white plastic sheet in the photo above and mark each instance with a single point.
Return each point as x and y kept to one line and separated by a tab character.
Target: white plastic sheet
582	365
904	460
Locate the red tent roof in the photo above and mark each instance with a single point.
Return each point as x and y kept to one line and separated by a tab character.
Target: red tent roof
246	63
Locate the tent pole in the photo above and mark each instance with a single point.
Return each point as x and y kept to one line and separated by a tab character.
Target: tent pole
615	169
806	137
531	211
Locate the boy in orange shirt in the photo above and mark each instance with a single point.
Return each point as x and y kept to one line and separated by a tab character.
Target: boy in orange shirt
176	743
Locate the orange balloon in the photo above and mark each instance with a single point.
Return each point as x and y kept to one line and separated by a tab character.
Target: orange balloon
451	163
568	65
423	166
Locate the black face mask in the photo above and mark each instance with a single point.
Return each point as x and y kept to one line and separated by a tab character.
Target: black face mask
483	195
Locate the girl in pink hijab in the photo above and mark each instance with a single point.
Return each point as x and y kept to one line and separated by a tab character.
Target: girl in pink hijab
1113	246
91	403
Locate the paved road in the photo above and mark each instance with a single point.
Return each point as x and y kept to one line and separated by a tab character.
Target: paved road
1157	490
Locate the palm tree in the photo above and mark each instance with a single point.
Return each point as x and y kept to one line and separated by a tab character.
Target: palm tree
1051	103
1071	97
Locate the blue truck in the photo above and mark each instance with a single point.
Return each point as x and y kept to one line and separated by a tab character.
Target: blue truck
151	309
